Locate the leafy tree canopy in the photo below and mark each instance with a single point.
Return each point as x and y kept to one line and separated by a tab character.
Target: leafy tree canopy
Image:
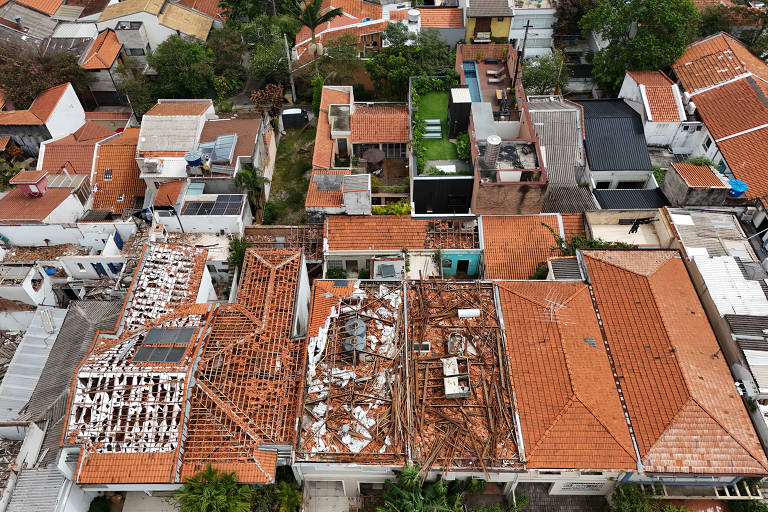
184	68
228	47
642	35
140	91
542	75
396	34
212	490
409	494
634	498
25	74
264	39
568	13
714	19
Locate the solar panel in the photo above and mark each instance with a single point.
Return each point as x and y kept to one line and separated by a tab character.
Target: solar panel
158	354
191	208
175	354
169	336
232	209
142	354
205	209
219	209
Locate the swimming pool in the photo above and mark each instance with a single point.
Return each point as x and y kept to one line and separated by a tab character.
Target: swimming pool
470	75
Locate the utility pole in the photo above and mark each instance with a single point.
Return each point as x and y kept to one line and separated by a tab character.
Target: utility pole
525	38
290	74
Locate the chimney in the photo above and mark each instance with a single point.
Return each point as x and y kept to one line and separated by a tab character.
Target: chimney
492	148
20	24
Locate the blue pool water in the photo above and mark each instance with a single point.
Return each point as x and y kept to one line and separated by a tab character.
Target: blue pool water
470	75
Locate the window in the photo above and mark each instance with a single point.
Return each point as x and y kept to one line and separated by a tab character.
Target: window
603	184
107	174
500	18
698	128
686	127
80	267
83	193
120	197
630	184
707	143
335	264
135	52
351	265
128	25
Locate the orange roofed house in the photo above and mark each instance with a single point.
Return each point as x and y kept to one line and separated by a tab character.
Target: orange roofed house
511	381
182	381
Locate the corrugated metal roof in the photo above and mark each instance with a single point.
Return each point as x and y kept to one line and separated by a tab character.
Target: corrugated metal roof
38	25
731	292
482	8
27	364
356	182
68	12
37	490
568	199
630	199
747	325
615	140
566	268
717	233
76	30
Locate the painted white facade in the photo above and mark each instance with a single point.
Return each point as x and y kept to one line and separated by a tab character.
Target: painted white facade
614	178
539	40
89	234
656	133
154	31
67	116
230	224
24	289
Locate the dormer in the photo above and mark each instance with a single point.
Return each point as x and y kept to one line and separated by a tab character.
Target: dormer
31	183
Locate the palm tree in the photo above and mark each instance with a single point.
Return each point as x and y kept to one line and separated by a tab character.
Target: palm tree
212	490
307	12
289	497
408	493
252	181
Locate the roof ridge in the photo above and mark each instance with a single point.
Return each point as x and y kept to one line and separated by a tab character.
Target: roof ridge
554	422
707	411
610	432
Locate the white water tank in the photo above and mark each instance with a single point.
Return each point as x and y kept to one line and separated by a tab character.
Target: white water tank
690	108
492	148
413	15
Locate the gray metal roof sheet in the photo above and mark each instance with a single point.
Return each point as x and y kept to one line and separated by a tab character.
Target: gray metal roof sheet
28	362
169	133
615	140
37	490
356	182
38	25
630	199
483	8
568	199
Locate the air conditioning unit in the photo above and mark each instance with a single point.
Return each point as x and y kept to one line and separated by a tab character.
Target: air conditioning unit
686	97
151	166
749	213
690	108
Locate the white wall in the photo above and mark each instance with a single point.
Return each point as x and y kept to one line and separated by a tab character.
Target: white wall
614	177
15	320
689	141
84	233
70	264
660	134
156	33
206	292
76	499
68	115
68	211
232	224
301	312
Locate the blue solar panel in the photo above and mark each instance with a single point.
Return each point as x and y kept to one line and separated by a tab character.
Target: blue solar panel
224	148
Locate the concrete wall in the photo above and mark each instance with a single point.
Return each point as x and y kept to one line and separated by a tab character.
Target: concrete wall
508	199
82	267
84	233
455	255
25	292
15	320
301	307
68	211
155	32
615	177
660	134
451	35
680	194
688	141
206	292
68	115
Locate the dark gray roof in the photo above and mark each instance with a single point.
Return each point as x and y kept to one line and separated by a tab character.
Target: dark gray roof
615	140
568	199
74	46
38	25
483	8
49	398
749	325
566	268
630	199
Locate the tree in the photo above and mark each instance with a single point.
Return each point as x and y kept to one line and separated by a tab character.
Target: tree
251	180
212	490
309	13
228	47
396	34
317	94
139	90
714	19
184	68
24	74
269	99
340	59
435	55
265	39
634	498
641	35
289	497
568	13
407	492
546	74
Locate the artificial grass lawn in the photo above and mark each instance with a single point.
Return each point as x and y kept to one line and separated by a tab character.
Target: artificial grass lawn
289	181
434	105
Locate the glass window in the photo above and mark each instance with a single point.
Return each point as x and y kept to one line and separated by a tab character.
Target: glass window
107	174
707	143
135	52
334	264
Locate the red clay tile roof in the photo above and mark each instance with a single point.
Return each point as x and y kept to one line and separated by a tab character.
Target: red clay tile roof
661	97
324	198
399	15
19	118
323	149
515	244
745	156
124	468
697	175
380	123
208	7
246	129
442	17
734	107
684	409
47	100
107	116
75	150
103	52
573	223
119	155
16	208
28	177
168	193
48	7
4	142
563	381
716	59
180	108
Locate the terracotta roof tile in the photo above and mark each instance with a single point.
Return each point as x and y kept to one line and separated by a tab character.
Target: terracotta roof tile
376	233
650	78
515	244
573	223
246	129
380	123
103	52
698	175
16	208
208	7
734	107
92	132
168	193
562	380
660	94
745	156
179	108
679	397
444	17
48	7
716	59
399	15
4	142
137	468
119	155
47	100
75	151
323	149
19	118
28	177
107	116
324	198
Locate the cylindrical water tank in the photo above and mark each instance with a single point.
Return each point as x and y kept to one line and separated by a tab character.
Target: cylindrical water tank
492	151
738	188
413	15
194	158
469	313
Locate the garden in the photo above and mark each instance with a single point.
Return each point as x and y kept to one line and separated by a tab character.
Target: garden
290	179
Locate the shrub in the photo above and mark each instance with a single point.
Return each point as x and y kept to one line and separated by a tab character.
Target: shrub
398	208
463	146
701	160
336	273
237	247
364	274
99	504
317	93
541	271
659	174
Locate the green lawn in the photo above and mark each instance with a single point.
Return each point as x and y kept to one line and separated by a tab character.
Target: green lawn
290	180
434	105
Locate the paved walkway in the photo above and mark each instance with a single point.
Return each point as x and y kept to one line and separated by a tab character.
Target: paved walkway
542	501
